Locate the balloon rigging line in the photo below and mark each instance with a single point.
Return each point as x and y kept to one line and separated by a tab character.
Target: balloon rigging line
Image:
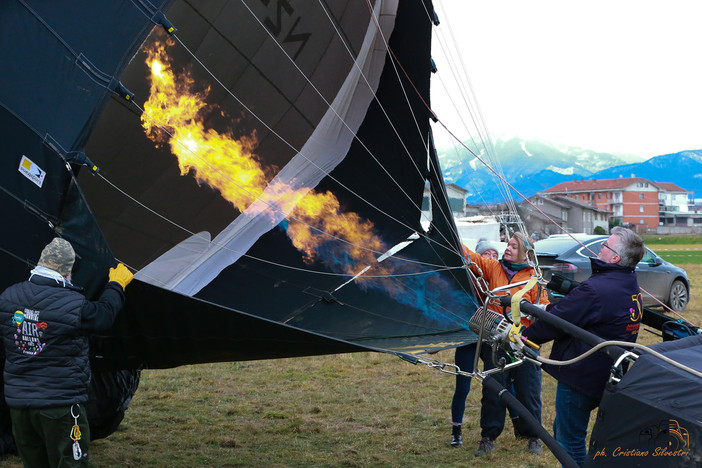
303	155
330	107
66	45
340	119
289	216
552	221
391	52
469	93
444	125
394	61
439	268
271	205
270	129
455	317
382	108
478	121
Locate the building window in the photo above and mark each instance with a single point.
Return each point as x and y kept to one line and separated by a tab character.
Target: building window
576	197
642	221
599	196
641	195
641	209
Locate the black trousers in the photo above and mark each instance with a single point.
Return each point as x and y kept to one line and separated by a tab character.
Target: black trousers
43	436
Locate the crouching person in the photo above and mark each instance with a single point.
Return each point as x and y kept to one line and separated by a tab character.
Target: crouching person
45	322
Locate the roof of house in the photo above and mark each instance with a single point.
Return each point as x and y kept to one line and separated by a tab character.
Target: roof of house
584	205
670	187
546	199
601	184
457	187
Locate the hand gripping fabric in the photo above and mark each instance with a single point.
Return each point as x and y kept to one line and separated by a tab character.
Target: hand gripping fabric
121	275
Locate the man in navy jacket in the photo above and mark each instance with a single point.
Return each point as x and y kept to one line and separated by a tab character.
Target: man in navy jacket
607	304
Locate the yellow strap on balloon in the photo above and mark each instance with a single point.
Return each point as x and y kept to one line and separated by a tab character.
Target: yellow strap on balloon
516	299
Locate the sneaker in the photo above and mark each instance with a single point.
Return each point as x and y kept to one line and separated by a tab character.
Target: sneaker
456	439
535	446
485	446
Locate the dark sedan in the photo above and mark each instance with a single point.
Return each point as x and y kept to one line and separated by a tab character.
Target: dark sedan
658	278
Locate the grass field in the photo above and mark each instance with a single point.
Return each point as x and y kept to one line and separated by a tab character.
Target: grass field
354	410
678	249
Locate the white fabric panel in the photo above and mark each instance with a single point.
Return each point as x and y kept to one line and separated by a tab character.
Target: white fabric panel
184	271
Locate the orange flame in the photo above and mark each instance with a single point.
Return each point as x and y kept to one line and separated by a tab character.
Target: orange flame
229	165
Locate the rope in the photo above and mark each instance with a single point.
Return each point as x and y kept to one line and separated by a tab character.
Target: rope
449	247
243	254
623	344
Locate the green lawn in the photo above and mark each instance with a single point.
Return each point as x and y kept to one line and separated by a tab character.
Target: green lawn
677	249
676	256
687	239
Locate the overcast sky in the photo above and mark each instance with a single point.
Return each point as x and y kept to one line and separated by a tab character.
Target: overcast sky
618	76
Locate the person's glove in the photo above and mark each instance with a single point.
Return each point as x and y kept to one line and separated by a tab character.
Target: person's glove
121	275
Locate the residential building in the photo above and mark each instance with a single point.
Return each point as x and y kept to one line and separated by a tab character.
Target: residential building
544	215
583	217
631	201
672	198
456	197
571	215
675	213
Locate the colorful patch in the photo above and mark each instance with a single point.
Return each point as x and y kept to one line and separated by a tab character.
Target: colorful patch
30	332
18	318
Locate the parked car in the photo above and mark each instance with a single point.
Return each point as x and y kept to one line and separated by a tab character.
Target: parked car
664	281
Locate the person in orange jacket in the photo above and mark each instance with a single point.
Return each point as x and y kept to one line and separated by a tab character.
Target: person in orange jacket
513	268
464	359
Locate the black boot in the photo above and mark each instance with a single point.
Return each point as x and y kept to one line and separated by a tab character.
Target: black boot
456	439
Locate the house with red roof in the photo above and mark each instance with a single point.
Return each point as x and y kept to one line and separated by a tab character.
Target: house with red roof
632	201
676	213
673	198
544	215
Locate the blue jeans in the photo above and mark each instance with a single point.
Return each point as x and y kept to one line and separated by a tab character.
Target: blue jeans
572	417
465	355
464	358
526	380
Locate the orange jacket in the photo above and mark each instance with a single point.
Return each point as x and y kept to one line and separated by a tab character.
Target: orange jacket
495	275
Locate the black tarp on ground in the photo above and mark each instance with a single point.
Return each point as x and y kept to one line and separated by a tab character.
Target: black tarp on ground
653	417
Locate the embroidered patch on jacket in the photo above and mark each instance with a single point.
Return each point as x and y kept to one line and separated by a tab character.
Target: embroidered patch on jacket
29	331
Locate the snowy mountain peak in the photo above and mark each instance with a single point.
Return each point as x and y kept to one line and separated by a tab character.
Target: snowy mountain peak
546	165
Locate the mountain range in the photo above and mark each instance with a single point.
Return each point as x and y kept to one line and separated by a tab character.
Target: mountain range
531	166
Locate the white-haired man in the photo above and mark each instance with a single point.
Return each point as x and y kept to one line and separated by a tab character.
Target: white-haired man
607	304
